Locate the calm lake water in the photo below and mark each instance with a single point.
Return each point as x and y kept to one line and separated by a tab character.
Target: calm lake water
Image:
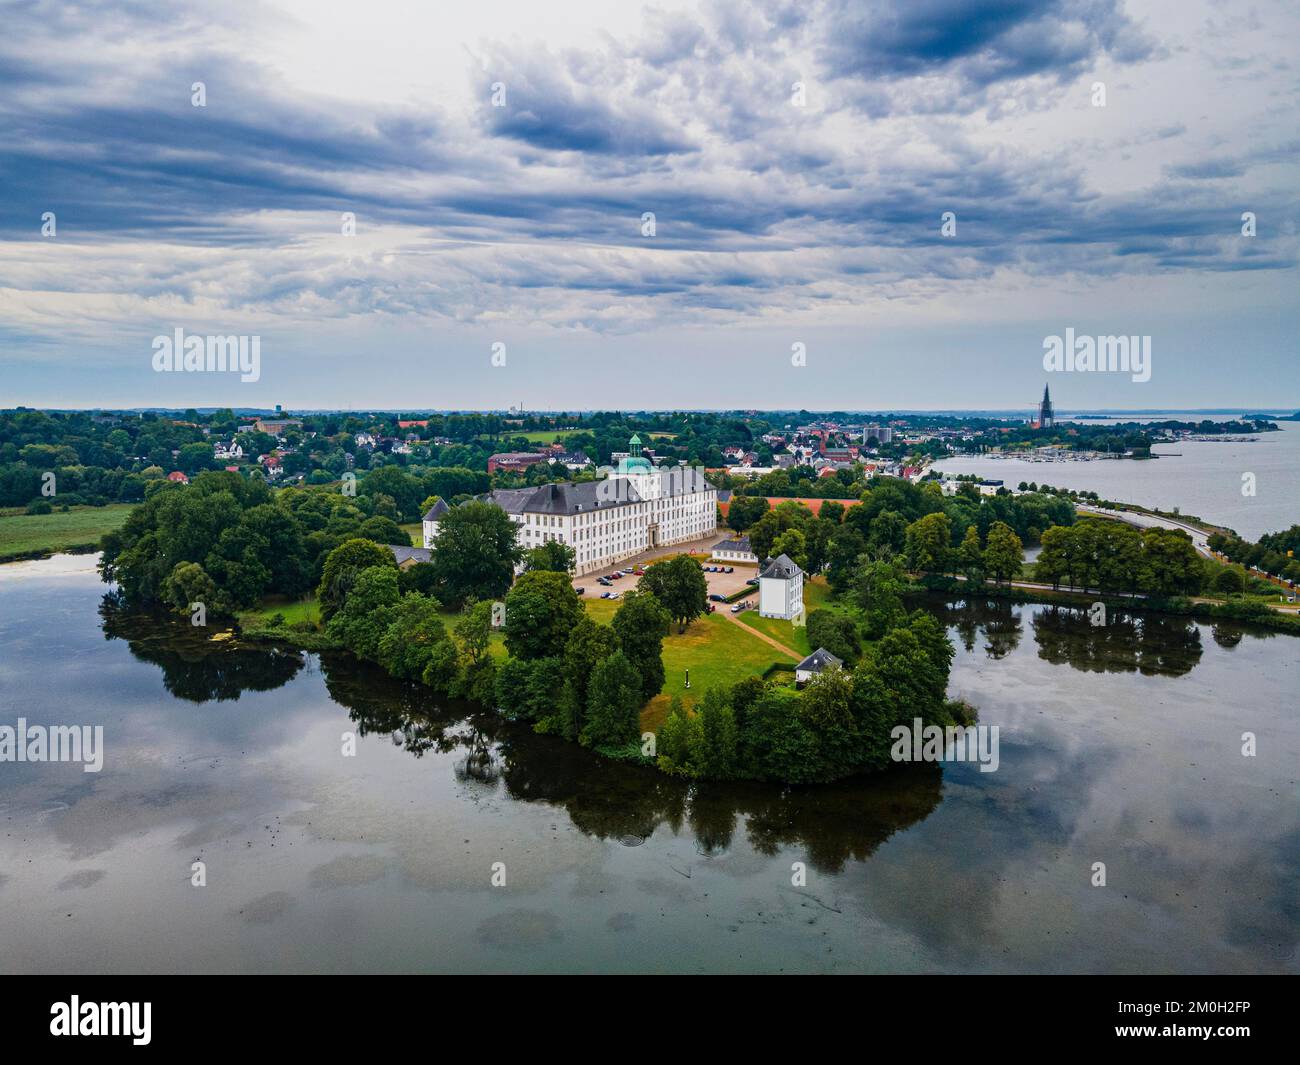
1119	745
1202	478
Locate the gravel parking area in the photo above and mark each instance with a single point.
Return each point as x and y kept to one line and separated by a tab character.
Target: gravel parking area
719	583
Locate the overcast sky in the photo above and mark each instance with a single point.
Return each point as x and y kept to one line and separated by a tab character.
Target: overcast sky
776	221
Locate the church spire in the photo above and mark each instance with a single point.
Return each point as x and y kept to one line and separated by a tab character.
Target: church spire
1046	416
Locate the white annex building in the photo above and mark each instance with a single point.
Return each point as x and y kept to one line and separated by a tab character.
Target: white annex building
780	588
635	508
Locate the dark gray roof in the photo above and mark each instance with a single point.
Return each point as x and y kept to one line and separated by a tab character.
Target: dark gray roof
405	554
436	511
734	543
683	480
782	566
587	496
820	659
562	498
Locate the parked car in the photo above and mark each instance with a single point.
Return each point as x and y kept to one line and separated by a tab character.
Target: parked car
718	598
615	595
580	591
626	572
739	607
606	595
753	581
730	569
603	580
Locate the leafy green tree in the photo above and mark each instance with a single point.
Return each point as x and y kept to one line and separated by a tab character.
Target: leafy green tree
1170	564
970	556
406	491
794	545
368	608
680	587
888	536
409	642
384	531
1053	563
541	610
826	709
763	534
1230	580
877	591
846	548
613	705
342	566
589	644
675	740
836	632
421	577
529	688
282	549
640	624
1004	555
717	740
551	556
928	543
777	742
476	553
473	632
832	511
194	458
744	511
189	584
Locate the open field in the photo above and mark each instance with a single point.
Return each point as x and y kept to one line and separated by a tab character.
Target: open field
534	436
716	652
415	530
34	535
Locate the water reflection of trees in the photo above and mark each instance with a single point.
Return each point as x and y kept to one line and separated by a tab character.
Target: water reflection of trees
194	666
997	619
610	800
1151	644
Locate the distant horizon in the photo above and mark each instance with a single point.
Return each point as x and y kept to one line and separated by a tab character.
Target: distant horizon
1274	410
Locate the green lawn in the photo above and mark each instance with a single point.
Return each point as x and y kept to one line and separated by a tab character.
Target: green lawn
25	535
534	436
717	653
816	594
415	530
294	610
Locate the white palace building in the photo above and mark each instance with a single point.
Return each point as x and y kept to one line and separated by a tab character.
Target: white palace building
635	508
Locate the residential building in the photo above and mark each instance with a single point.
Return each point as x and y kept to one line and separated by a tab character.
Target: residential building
780	589
514	460
430	521
734	549
276	426
409	556
817	662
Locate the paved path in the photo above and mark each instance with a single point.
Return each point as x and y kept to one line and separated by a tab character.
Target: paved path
735	620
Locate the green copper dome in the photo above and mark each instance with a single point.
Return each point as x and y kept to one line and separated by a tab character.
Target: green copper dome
634	464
